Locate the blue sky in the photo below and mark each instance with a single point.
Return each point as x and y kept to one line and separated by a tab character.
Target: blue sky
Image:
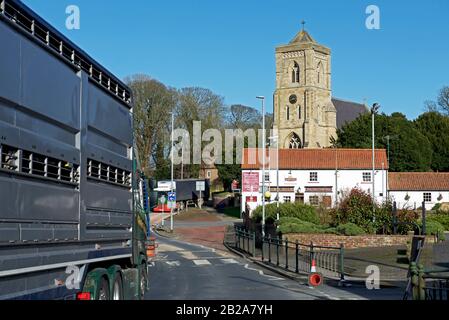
228	45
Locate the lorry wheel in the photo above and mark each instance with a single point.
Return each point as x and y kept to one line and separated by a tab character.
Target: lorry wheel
103	290
117	293
143	281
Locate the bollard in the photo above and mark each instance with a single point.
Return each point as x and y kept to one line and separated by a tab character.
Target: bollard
286	254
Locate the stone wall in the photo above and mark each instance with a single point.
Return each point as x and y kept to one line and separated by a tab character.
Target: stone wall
349	242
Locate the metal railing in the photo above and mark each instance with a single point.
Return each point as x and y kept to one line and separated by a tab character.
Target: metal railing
292	255
245	241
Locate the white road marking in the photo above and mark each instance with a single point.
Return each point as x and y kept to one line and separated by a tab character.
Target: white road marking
328	295
228	260
173	263
163	247
188	255
262	274
201	262
204	247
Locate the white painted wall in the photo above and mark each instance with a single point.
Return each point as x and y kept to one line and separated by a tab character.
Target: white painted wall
416	198
346	180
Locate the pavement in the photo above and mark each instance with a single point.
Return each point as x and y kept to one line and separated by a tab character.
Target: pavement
200	226
192	263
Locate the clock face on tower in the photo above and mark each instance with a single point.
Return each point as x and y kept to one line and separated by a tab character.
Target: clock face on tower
292	99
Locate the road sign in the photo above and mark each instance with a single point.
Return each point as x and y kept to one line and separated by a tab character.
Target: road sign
200	186
165	186
172	196
171	204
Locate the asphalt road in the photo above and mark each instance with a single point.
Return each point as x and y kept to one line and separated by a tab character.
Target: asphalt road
183	271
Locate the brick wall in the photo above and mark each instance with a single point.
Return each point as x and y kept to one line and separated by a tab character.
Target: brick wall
349	242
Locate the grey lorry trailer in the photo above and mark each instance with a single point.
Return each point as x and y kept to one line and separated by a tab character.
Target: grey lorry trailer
71	218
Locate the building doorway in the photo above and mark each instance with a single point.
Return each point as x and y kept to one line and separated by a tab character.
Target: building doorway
327	201
299	197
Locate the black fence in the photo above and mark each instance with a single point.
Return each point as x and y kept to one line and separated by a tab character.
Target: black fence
292	255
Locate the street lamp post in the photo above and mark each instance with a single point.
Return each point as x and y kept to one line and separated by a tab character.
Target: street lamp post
374	110
275	138
263	163
171	182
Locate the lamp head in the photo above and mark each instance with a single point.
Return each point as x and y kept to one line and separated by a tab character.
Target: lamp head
375	107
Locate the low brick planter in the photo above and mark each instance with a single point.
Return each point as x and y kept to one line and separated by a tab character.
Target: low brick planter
349	242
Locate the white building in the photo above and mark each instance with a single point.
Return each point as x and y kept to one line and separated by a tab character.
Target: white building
410	189
313	176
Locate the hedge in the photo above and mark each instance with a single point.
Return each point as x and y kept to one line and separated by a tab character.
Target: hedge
298	210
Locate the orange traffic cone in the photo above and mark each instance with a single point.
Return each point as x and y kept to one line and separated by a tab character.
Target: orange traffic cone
315	279
313	268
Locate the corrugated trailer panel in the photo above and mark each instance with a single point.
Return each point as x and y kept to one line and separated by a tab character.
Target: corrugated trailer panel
66	158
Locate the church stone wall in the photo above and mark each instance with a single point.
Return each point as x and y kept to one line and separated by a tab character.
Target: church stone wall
311	90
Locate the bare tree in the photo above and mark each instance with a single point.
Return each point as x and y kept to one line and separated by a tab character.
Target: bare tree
443	99
442	103
243	117
153	102
199	104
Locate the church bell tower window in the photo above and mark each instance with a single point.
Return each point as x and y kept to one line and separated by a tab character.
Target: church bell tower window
295	73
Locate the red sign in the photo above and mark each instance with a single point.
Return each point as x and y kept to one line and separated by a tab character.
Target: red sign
250	182
251	199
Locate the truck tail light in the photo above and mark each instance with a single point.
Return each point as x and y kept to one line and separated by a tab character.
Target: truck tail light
83	296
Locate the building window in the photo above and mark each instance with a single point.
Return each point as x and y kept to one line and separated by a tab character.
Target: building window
366	176
287	112
287	199
295	73
427	197
314	200
320	72
295	142
267	177
208	174
313	176
299	112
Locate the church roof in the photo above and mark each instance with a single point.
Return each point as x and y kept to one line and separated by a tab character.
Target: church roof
317	159
347	111
302	37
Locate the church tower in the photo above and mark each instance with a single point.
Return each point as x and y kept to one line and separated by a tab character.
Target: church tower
303	110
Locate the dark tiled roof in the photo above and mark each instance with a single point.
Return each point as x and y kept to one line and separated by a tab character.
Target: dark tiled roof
324	159
347	111
419	181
